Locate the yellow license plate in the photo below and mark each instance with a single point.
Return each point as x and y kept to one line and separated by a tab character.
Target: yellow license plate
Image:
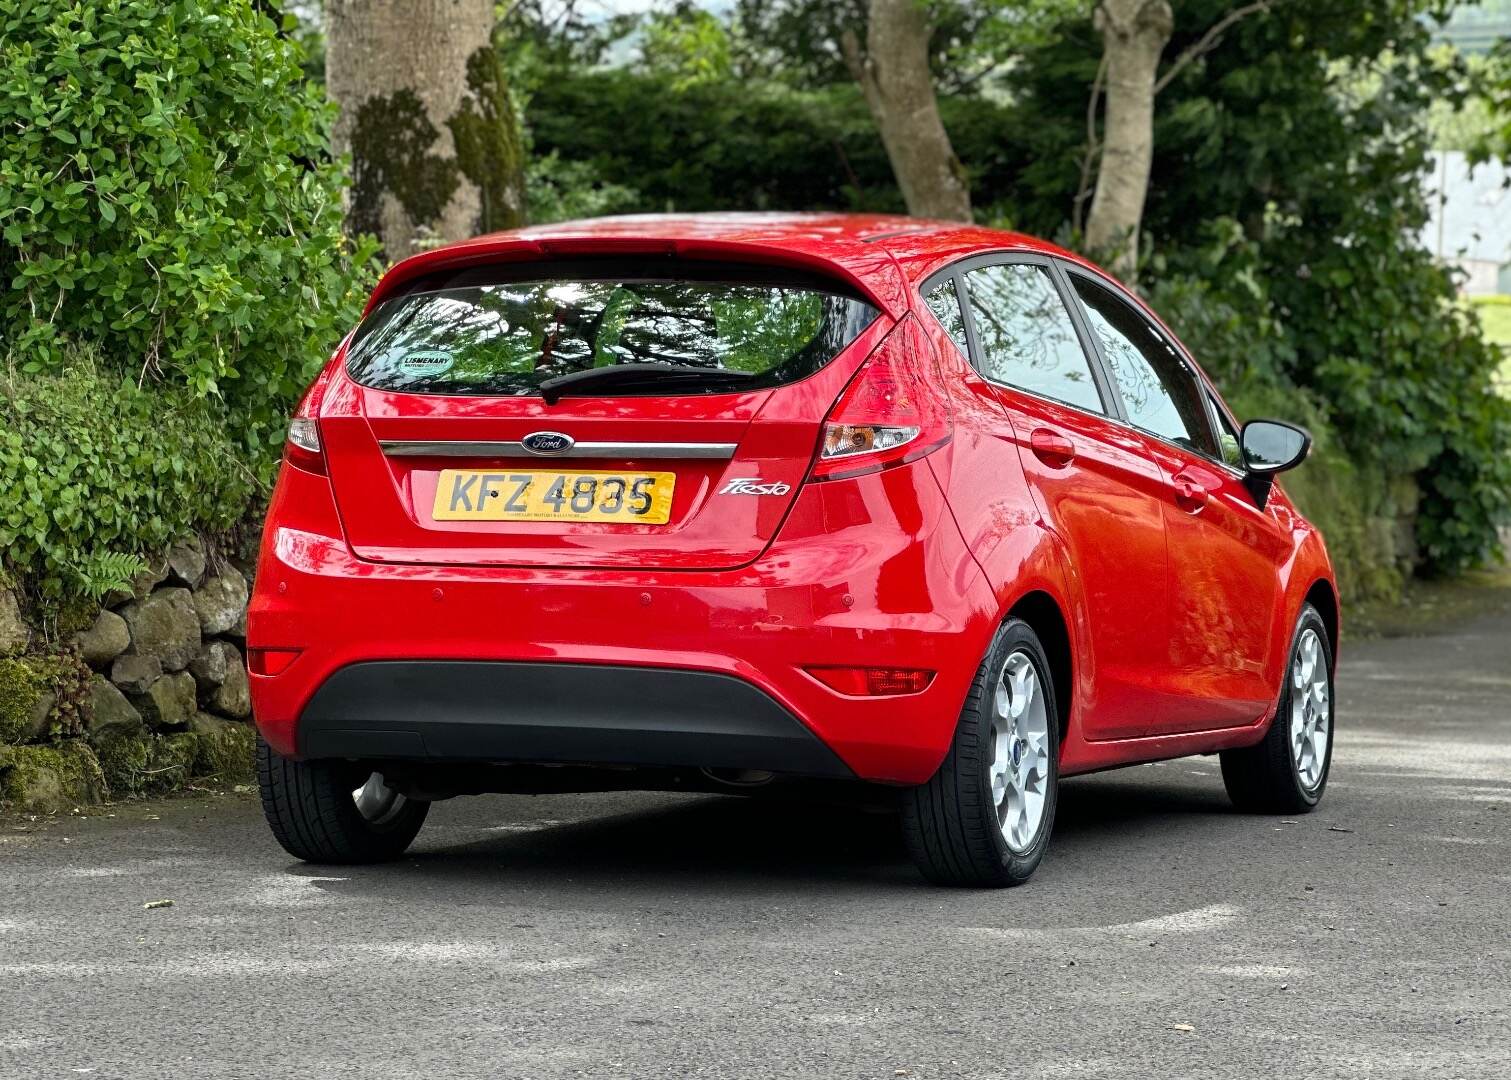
527	495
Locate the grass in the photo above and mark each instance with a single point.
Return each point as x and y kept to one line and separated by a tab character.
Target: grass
1495	314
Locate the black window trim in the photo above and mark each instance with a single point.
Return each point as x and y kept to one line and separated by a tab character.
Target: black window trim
1112	403
1199	383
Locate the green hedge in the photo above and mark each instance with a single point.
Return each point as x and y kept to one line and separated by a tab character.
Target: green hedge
167	195
94	471
1364	511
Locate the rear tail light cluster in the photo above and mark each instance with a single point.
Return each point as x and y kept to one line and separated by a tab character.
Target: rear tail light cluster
303	448
892	412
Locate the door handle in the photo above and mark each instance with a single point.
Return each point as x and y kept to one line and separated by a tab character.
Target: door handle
1190	493
1052	448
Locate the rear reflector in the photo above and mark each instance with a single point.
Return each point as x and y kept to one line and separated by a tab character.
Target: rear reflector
873	681
270	661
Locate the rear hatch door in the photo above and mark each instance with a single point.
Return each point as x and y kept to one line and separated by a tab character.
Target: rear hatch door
694	398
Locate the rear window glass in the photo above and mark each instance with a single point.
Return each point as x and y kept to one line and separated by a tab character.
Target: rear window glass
507	337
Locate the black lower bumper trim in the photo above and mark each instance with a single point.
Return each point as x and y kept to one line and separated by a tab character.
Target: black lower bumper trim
479	710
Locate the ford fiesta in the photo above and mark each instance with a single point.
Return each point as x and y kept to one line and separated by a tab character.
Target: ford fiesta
739	503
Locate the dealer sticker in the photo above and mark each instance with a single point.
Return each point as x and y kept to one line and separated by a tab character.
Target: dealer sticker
427	362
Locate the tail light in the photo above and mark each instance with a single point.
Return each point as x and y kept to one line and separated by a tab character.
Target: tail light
302	448
892	412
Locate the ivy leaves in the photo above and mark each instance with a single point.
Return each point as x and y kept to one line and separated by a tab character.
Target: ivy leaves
166	195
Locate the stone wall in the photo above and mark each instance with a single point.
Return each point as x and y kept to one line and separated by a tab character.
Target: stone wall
150	696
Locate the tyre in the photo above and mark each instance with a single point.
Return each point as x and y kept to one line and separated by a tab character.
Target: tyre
1287	772
985	817
335	811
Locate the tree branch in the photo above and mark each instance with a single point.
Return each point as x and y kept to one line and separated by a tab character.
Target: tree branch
1093	106
1208	41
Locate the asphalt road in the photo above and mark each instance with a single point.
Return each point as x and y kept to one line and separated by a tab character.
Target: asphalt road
663	935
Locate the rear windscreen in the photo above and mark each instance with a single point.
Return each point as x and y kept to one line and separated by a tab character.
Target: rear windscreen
470	336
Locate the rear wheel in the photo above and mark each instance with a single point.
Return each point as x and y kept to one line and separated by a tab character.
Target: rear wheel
1287	772
334	811
986	815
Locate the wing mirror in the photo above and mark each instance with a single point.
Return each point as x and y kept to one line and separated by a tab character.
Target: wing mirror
1270	447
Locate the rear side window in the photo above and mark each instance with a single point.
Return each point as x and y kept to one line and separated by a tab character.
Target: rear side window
944	302
1027	338
506	337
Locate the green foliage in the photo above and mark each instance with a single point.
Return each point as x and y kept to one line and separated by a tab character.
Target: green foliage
94	471
689	44
748	145
560	190
166	195
973	43
1319	169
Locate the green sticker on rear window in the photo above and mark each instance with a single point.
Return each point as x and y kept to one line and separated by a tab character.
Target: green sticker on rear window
426	362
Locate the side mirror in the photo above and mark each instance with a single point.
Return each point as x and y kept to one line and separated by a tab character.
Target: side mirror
1270	447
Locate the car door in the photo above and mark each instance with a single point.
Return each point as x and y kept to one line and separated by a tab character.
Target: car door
1224	551
1094	483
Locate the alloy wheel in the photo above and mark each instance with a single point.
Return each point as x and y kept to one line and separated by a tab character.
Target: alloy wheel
1019	770
1311	710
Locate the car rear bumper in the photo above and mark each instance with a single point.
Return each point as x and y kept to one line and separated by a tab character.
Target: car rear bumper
561	713
532	664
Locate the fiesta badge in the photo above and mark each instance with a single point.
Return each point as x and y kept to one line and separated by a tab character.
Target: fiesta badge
547	443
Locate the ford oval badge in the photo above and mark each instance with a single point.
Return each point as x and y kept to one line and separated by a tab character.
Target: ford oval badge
547	443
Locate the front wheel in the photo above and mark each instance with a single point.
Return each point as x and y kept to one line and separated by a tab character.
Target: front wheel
1287	772
334	811
985	817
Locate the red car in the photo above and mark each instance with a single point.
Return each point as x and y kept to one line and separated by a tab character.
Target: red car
745	502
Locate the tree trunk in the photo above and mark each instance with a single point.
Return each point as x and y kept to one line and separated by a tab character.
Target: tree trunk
893	72
1134	36
427	120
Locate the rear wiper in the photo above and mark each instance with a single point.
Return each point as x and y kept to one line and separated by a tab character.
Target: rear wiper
638	375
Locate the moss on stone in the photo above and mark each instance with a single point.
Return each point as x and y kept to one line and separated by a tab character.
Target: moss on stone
226	749
124	759
50	779
141	765
21	689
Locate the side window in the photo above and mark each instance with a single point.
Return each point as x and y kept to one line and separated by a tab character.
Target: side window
1027	337
1227	436
944	302
1159	393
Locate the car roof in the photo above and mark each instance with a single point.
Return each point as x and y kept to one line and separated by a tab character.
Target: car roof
879	254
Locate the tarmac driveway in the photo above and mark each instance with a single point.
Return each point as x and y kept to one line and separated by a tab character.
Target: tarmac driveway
664	935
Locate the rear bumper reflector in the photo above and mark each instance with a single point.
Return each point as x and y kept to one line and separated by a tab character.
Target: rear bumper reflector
873	681
632	450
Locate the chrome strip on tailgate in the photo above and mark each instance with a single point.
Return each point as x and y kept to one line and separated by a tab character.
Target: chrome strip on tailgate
406	448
